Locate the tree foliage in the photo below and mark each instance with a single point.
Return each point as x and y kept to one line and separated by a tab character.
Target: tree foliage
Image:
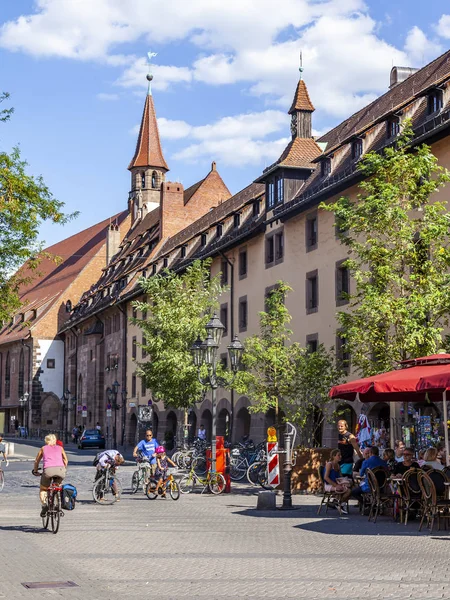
282	375
178	308
25	201
396	233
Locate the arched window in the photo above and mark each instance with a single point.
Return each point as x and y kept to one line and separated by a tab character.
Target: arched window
142	179
21	374
68	306
154	180
7	376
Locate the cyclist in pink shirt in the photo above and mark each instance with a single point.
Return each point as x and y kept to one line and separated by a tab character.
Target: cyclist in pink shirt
55	462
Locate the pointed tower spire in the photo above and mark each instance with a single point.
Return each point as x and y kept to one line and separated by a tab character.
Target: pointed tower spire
301	109
148	165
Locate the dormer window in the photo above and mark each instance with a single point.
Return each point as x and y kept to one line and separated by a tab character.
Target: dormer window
203	239
280	190
154	269
236	220
392	127
255	209
68	306
270	195
165	263
325	166
142	180
357	149
219	230
435	101
183	252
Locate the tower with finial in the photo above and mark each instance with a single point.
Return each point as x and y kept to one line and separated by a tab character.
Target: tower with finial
301	109
148	166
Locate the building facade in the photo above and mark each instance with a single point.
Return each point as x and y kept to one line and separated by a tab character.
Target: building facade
271	230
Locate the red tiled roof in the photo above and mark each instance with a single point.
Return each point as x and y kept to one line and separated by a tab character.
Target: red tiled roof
52	279
148	148
300	152
394	99
301	100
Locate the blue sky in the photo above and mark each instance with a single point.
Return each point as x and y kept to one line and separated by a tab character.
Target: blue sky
223	79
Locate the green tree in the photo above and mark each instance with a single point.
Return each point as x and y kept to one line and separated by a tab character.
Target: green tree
25	202
396	232
282	375
178	308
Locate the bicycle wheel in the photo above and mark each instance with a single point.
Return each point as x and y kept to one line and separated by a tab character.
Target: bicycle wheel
135	482
55	512
102	492
216	483
174	490
150	490
263	479
252	473
46	519
175	456
238	469
186	484
199	465
2	480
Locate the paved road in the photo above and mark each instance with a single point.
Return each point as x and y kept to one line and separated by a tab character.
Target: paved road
211	547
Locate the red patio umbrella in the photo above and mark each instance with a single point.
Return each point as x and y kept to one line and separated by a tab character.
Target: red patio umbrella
420	379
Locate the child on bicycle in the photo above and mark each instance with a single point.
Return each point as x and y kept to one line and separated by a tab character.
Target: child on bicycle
162	464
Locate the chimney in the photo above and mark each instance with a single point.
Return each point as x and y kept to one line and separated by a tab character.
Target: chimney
172	210
399	74
112	242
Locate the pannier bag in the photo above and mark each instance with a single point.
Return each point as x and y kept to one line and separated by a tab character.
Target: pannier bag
69	496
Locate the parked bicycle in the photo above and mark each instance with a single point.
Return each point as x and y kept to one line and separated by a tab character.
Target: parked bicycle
257	474
168	485
214	482
193	457
142	476
107	489
2	474
54	510
243	456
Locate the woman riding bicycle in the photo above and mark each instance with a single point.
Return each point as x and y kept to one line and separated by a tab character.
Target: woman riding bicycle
162	464
55	462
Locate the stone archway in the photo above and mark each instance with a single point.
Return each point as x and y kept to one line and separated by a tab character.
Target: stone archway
192	422
133	430
206	419
51	413
243	423
171	430
223	423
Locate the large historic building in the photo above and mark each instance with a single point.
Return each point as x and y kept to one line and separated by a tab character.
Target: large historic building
270	230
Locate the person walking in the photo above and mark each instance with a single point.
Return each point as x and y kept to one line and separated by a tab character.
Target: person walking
55	463
75	434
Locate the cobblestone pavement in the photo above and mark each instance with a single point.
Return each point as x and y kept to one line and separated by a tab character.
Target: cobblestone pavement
206	546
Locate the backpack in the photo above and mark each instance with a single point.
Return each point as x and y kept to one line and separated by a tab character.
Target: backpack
97	457
68	496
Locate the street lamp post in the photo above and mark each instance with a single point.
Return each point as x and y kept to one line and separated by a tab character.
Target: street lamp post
23	400
205	354
112	397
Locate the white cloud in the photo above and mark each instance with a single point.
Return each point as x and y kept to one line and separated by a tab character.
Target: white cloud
107	97
443	26
233	151
419	48
252	43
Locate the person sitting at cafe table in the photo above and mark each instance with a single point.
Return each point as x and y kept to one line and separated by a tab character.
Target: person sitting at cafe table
389	458
399	447
347	445
430	459
331	476
373	461
408	462
359	463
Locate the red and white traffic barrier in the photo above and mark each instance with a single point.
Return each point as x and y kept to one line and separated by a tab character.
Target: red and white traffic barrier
273	467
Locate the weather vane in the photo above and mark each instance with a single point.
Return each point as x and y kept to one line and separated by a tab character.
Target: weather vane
301	64
149	75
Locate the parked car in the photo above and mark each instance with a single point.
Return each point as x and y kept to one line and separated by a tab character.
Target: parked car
92	438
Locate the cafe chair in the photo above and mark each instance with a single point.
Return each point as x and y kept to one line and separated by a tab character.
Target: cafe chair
412	494
380	499
328	498
432	505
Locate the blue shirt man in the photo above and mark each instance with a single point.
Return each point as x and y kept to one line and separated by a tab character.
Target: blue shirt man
147	447
371	463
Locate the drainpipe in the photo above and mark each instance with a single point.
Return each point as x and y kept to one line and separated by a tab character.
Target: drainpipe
231	263
124	372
